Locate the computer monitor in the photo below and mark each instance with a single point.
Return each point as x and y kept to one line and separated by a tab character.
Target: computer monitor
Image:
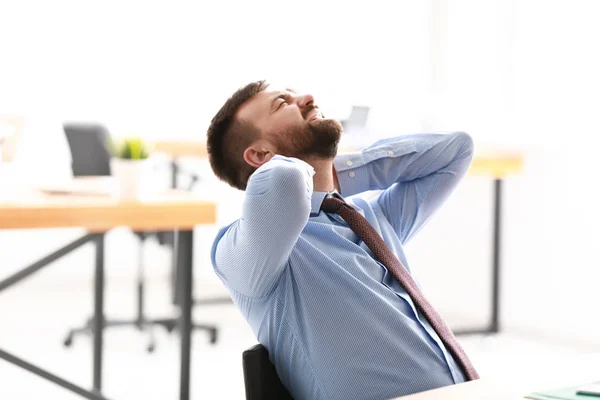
358	116
357	119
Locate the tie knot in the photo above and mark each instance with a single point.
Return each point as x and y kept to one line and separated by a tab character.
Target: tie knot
332	204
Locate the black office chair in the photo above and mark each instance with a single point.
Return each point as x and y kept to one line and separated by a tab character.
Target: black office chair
260	378
89	144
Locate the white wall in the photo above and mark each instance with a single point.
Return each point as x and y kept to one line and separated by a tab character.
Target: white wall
162	69
165	68
512	73
523	73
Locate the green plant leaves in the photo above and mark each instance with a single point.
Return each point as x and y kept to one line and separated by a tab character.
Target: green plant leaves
131	149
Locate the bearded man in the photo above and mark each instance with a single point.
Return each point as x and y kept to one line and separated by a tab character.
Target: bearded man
317	268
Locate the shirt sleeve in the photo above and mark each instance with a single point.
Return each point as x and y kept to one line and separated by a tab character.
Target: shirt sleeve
251	254
417	173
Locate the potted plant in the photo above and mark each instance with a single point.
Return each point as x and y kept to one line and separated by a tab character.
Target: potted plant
128	166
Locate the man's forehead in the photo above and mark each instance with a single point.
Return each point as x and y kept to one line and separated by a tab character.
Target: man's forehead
255	103
274	90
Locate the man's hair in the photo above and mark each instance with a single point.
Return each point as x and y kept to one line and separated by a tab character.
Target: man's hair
228	137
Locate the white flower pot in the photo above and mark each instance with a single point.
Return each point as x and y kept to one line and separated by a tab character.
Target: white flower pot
130	176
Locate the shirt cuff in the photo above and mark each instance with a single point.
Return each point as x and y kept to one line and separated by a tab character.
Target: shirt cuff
353	174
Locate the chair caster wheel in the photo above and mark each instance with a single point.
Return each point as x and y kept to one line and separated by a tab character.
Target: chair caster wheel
68	341
170	327
213	336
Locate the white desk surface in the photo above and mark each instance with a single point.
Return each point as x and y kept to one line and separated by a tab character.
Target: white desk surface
481	389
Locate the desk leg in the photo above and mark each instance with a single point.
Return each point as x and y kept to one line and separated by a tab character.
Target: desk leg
495	322
98	321
50	376
494	326
36	266
184	246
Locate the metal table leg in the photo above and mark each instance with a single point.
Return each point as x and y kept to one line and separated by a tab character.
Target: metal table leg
36	266
98	322
494	325
184	246
50	376
95	394
495	322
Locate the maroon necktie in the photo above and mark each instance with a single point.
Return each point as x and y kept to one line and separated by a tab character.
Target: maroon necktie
371	238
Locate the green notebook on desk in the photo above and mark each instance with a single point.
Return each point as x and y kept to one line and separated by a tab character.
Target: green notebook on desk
569	393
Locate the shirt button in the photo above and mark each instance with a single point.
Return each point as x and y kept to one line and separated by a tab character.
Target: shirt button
390	153
352	174
349	163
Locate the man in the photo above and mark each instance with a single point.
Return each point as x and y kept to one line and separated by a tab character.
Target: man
336	321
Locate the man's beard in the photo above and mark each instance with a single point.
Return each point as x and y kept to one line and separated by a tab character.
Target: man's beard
318	138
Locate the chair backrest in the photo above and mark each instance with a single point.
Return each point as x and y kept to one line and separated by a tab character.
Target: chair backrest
260	377
89	144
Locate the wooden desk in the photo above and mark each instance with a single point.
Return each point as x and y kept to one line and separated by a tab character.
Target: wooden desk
171	211
497	164
475	390
181	148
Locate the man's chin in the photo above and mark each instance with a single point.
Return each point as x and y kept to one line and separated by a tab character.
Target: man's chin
328	126
325	145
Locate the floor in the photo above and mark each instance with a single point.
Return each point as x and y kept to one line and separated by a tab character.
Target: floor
36	316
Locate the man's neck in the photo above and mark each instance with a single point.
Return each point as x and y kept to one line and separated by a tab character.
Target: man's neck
325	178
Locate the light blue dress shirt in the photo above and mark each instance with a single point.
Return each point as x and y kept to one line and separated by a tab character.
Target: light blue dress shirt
336	323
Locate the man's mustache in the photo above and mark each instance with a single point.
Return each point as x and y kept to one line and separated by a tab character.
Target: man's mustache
308	109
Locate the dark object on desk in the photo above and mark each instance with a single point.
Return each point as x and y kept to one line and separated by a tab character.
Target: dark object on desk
260	378
89	145
357	119
592	389
581	392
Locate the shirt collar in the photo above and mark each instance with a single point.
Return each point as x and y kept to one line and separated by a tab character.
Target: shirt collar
317	200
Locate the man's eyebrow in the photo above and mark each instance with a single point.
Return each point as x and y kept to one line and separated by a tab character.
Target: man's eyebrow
291	90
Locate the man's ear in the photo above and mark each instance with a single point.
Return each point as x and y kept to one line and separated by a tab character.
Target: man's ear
258	153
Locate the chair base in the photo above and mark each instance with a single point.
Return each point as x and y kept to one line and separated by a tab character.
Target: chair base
144	325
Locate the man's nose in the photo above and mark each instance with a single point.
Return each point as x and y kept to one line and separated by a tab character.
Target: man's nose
305	100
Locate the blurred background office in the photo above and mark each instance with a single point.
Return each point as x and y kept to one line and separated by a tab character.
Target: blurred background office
520	76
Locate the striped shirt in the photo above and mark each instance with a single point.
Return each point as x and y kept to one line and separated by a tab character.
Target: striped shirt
336	323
